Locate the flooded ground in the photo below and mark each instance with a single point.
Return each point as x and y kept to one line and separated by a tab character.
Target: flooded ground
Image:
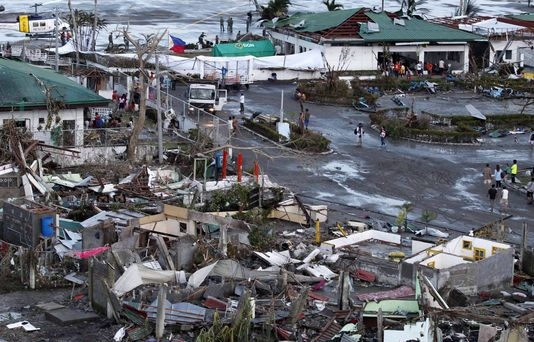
358	181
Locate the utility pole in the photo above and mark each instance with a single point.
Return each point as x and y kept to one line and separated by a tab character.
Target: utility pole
158	106
55	34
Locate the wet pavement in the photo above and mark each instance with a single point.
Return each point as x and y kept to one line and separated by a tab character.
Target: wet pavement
356	181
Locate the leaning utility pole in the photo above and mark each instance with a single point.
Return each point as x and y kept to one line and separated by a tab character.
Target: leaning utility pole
158	112
56	31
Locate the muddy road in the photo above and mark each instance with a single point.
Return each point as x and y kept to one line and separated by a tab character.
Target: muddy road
357	181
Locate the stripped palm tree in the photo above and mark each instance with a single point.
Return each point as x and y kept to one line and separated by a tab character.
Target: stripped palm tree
468	8
275	9
332	6
410	7
82	23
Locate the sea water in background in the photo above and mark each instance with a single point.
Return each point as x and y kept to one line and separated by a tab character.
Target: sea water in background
187	19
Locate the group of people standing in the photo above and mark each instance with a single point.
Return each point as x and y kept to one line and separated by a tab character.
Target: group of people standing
495	180
229	24
401	69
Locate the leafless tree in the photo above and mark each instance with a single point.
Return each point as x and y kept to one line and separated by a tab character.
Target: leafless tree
144	50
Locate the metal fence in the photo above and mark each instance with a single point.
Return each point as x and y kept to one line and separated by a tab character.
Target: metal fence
216	128
186	118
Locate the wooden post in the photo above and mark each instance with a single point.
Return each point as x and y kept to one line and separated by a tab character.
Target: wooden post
523	245
31	269
223	240
160	319
379	328
317	232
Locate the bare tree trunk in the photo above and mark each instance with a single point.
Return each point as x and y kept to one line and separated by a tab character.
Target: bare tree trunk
95	25
144	53
140	122
75	36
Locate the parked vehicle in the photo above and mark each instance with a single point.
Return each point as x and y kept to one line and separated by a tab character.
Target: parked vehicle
206	96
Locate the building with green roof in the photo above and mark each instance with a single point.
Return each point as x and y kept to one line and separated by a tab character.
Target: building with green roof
28	92
363	39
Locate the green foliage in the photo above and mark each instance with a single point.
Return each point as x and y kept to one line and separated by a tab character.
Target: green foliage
275	8
402	216
310	141
235	198
332	6
428	215
265	129
261	238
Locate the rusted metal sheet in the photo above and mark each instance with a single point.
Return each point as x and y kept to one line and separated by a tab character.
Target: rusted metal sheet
364	275
403	291
330	330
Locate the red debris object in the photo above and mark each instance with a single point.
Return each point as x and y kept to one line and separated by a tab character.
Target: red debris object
319	285
284	334
365	275
214	303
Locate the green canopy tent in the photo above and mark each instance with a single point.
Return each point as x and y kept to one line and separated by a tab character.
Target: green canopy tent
256	48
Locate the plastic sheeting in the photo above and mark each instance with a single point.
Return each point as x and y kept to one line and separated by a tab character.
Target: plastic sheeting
137	275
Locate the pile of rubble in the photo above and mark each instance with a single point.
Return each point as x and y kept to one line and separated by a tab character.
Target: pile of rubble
144	252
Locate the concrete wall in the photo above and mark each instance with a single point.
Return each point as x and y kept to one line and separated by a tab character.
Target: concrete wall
456	245
31	119
515	47
102	155
528	262
387	271
470	278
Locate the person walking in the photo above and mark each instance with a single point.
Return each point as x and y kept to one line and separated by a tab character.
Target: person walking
486	173
235	125
242	103
513	171
301	122
530	191
497	175
504	200
383	136
492	194
306	118
359	133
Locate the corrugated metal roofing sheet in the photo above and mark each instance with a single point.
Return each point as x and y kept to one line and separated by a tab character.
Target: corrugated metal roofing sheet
23	85
316	22
413	30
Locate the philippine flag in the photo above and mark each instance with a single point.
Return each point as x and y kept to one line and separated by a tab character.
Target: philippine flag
178	45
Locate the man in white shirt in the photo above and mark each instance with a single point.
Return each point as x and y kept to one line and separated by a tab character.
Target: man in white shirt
504	200
441	65
242	103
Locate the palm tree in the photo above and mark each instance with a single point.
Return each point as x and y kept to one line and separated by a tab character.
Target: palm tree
82	23
470	8
332	6
274	9
411	6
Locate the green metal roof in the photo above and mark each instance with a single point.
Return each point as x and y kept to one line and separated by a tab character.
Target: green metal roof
522	16
22	85
413	30
316	22
391	306
257	48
